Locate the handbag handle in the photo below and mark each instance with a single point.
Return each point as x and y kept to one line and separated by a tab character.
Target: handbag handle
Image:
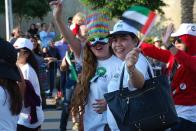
149	72
121	77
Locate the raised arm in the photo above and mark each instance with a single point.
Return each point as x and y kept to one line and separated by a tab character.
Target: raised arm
156	53
135	76
67	34
165	39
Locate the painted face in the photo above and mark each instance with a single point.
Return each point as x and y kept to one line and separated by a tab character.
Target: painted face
122	44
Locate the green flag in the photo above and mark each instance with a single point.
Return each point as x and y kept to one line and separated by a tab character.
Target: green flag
73	71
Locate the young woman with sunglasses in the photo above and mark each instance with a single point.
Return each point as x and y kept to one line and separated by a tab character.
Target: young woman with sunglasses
181	58
98	65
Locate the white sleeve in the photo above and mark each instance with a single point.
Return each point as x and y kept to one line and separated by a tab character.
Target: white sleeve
25	73
142	65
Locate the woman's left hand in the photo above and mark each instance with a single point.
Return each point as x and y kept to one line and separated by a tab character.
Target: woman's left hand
132	58
100	106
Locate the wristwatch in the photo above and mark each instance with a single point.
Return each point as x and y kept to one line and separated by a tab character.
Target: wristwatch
170	46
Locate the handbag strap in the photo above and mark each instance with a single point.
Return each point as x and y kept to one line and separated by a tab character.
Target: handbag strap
149	72
148	69
122	77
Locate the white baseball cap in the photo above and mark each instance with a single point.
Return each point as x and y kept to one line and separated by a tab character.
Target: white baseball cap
22	43
185	28
156	39
121	28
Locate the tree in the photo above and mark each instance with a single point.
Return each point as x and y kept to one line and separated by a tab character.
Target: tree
117	7
26	9
187	11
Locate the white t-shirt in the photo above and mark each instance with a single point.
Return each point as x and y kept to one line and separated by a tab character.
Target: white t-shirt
8	122
186	112
29	74
142	65
92	120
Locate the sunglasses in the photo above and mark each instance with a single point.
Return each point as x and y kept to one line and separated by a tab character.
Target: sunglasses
95	41
177	39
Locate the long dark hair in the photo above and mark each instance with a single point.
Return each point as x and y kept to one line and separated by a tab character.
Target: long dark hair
15	95
37	50
32	61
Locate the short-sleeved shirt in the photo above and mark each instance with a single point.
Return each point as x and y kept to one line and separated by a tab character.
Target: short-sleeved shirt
29	74
92	120
142	65
8	121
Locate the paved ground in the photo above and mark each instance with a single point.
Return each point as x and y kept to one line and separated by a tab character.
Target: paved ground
52	118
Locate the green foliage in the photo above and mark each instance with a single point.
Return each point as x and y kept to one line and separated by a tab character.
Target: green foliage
117	7
28	8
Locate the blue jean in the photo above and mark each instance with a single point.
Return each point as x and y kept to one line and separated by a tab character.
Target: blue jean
63	81
69	88
52	78
184	125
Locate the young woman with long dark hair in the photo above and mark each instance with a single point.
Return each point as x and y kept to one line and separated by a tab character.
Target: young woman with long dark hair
10	93
31	116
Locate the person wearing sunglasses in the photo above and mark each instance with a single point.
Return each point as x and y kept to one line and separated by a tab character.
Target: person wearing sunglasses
179	44
181	59
98	66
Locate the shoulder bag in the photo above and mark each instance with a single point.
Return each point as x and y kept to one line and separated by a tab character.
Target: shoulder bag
150	108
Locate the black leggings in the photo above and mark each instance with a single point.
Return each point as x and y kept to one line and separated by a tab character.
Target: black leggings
23	128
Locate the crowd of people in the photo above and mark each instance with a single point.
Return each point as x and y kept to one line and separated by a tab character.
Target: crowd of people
90	60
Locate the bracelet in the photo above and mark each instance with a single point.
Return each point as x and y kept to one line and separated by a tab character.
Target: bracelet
170	46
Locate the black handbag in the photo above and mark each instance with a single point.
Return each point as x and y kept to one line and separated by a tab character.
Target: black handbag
150	108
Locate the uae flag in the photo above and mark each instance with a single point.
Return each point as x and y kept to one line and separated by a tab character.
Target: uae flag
71	67
140	18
